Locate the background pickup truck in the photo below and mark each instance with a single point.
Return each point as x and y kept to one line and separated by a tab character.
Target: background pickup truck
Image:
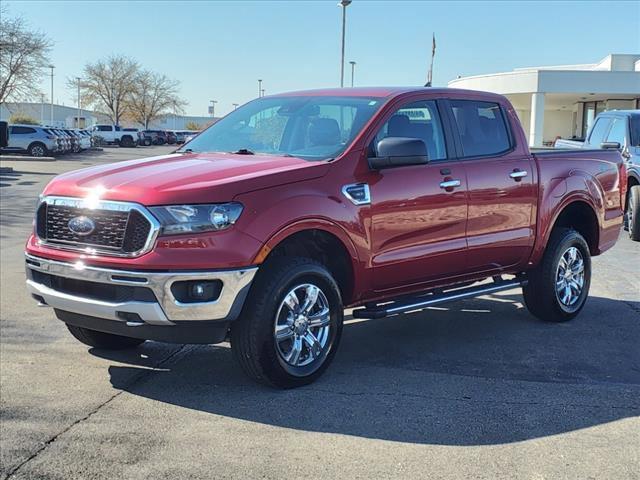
619	130
115	134
267	225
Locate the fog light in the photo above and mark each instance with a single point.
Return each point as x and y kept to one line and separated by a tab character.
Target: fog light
193	291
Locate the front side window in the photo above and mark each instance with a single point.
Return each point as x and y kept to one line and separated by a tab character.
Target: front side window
618	131
308	127
104	128
596	137
482	127
417	120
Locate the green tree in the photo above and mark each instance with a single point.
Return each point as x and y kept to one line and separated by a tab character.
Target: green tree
23	119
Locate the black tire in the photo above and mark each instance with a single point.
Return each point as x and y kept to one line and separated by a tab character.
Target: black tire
253	334
633	213
38	149
147	142
540	295
127	141
103	340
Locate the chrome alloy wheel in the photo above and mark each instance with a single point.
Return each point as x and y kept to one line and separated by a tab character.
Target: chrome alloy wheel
570	277
302	326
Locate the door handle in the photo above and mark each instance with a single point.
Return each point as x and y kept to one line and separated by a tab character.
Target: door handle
517	174
450	184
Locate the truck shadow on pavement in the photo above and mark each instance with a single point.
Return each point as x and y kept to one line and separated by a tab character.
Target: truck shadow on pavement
480	372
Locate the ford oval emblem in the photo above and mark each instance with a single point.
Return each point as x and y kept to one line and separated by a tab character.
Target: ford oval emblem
82	226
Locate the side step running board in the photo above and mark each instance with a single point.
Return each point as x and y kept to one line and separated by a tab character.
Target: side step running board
430	299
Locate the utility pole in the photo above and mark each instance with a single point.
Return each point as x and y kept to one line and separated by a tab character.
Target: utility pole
51	67
344	4
262	92
259	87
213	107
78	122
42	108
353	68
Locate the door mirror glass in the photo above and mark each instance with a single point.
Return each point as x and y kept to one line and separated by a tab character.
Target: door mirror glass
399	152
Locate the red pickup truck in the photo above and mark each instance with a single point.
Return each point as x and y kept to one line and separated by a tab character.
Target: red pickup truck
267	225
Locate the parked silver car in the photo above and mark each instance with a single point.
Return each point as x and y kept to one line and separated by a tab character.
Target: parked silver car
35	140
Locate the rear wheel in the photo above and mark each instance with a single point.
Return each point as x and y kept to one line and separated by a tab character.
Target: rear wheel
291	326
103	340
37	149
558	288
633	213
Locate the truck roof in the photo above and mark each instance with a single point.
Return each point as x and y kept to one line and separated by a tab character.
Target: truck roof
384	92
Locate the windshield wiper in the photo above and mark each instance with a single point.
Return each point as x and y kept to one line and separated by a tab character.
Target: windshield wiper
244	151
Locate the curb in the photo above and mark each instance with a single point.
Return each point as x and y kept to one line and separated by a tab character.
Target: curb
26	158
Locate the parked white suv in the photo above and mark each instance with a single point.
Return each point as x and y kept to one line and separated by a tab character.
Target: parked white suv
115	134
35	140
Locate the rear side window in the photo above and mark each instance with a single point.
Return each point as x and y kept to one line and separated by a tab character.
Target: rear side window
634	130
22	130
482	127
599	130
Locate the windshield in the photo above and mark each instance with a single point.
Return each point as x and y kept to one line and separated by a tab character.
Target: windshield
312	128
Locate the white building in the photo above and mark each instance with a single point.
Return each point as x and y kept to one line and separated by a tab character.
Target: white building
63	116
562	101
66	117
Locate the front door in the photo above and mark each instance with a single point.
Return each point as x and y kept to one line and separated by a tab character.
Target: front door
419	212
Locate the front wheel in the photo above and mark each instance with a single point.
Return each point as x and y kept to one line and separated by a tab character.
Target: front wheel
37	149
289	331
633	213
103	340
558	288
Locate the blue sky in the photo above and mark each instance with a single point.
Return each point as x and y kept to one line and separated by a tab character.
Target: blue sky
218	50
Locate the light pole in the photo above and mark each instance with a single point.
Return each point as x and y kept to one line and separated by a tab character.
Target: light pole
262	92
344	4
52	67
353	69
42	108
259	87
213	107
235	105
78	122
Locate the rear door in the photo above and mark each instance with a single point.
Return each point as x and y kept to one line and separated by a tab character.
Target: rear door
417	221
500	182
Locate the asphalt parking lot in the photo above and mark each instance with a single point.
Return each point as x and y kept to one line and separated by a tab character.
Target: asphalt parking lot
474	389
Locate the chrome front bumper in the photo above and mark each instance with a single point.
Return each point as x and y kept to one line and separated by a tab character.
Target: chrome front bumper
165	311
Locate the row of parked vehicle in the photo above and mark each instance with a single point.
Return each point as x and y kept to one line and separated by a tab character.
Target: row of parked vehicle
131	137
40	141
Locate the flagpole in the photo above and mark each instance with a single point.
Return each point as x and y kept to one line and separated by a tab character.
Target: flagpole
433	54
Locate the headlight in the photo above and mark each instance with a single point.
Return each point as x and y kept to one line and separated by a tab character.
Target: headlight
176	219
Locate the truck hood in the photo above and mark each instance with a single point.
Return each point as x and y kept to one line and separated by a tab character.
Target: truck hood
184	178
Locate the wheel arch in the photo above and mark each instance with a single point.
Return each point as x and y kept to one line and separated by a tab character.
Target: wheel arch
320	240
581	216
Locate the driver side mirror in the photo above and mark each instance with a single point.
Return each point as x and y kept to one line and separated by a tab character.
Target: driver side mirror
399	152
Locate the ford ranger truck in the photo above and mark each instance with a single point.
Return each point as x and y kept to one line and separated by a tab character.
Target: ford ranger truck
293	207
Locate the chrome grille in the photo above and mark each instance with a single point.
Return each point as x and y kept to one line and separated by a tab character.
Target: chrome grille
121	229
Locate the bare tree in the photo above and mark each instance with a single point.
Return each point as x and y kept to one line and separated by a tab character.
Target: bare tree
154	96
24	54
107	85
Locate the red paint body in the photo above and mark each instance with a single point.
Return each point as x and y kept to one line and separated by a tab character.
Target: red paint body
413	236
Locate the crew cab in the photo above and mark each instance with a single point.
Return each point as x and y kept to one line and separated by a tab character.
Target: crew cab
293	207
619	130
115	134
